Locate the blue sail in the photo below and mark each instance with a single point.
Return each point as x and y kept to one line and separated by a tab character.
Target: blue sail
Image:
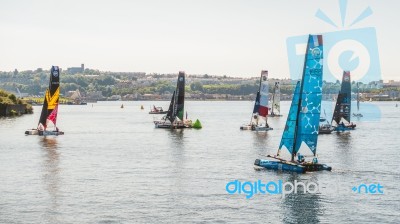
290	127
257	103
310	95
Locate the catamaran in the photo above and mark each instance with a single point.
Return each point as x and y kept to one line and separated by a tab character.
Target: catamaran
48	117
341	115
259	121
174	118
276	101
157	110
324	126
358	114
303	119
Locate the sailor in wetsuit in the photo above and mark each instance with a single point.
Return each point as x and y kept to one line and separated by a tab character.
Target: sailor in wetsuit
300	158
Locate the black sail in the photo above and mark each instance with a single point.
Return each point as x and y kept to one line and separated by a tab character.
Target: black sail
343	103
180	99
51	96
171	109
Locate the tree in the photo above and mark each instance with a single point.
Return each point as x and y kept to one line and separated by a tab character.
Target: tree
196	86
12	98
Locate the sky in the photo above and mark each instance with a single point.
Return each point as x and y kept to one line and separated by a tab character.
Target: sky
216	37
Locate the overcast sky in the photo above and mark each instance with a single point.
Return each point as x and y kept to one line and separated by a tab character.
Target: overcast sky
216	37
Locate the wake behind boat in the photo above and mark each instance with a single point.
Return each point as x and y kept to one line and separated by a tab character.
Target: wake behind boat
174	118
341	119
48	117
302	123
258	120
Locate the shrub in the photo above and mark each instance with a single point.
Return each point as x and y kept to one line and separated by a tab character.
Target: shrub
13	98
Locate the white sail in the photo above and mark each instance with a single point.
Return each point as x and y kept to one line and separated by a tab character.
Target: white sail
276	100
263	109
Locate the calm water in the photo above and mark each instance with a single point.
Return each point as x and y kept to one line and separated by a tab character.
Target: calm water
112	166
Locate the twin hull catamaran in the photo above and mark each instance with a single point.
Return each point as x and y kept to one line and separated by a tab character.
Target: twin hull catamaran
259	121
48	117
341	116
174	118
303	119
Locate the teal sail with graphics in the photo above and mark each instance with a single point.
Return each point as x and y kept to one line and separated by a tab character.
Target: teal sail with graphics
311	95
290	127
302	124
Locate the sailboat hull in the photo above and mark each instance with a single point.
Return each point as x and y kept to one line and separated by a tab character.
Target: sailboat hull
158	112
342	128
311	167
279	165
262	128
284	165
168	125
32	132
255	128
47	133
42	133
245	127
325	129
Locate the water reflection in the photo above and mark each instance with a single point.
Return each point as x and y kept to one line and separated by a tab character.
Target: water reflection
344	148
260	142
301	207
176	140
51	179
176	135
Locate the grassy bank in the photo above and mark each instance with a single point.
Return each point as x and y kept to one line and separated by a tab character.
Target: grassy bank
10	105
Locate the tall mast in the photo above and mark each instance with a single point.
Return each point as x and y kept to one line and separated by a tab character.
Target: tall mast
299	107
273	99
257	97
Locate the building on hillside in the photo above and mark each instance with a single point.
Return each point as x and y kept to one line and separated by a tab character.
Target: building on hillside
75	70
